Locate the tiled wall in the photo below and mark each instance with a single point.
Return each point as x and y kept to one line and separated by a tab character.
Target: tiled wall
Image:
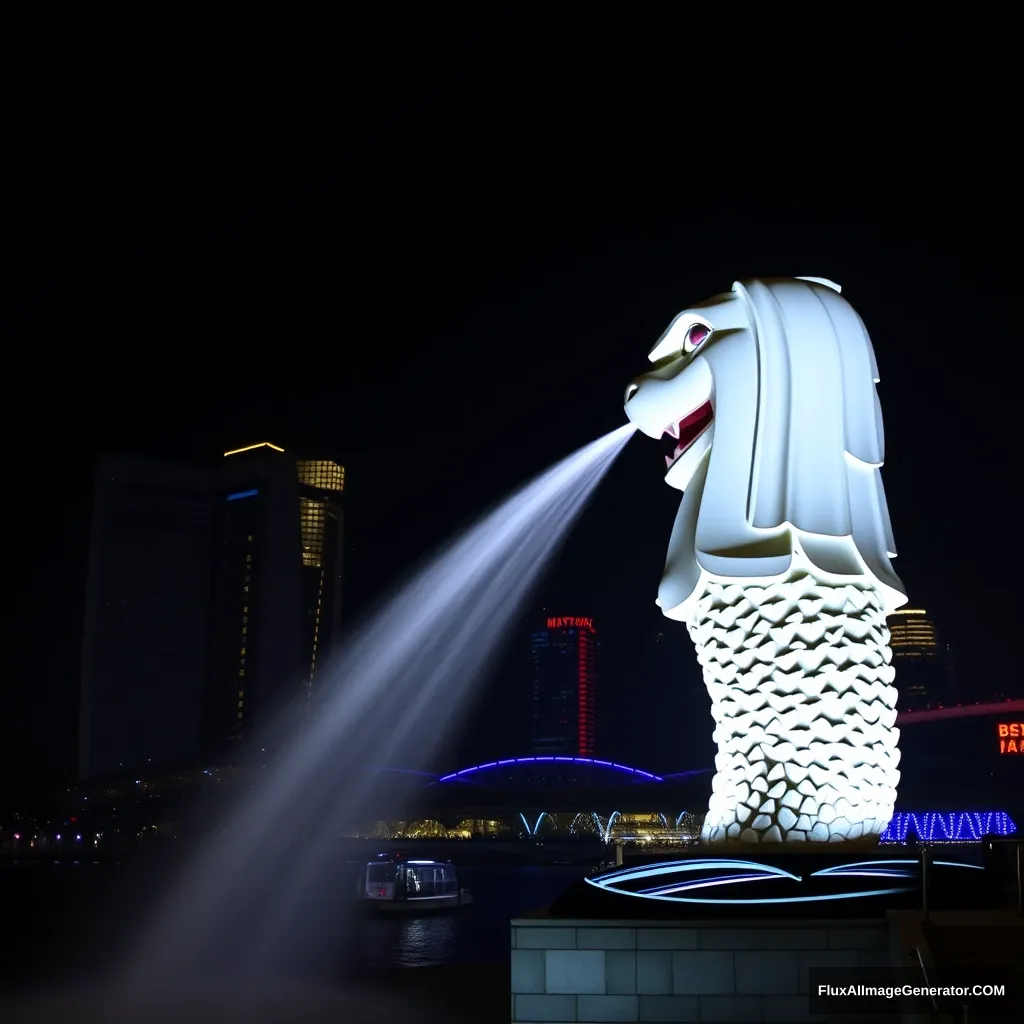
591	971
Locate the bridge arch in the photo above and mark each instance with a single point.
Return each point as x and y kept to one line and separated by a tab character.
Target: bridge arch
545	821
493	771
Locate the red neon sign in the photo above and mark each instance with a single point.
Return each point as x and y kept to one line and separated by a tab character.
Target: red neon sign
571	623
1011	737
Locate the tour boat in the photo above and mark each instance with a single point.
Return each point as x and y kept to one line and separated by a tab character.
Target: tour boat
392	884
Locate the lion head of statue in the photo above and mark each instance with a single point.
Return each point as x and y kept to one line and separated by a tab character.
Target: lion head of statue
767	397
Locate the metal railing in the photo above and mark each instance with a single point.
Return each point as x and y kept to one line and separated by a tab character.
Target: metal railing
1020	879
917	955
926	875
926	878
1003	868
936	1015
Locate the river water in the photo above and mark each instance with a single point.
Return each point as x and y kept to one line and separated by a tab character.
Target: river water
66	919
476	934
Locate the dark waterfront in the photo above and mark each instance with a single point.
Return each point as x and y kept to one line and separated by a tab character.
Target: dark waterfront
72	918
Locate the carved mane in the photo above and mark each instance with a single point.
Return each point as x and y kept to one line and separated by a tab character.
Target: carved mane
792	475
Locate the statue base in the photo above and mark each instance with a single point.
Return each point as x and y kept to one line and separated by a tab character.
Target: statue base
848	847
636	969
830	880
719	935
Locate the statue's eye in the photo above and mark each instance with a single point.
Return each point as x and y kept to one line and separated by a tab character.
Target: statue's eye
695	337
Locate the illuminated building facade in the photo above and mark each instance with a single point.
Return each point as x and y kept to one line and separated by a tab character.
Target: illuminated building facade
214	593
278	586
921	662
321	485
563	665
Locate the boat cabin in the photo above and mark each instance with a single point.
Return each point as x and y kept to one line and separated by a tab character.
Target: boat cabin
398	879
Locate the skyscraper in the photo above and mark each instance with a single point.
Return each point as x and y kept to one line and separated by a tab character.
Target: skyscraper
278	585
146	633
321	485
214	594
563	662
922	664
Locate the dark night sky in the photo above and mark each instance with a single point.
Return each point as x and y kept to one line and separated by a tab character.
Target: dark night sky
438	249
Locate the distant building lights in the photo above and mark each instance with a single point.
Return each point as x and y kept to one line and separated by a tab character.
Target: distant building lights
251	447
571	622
955	826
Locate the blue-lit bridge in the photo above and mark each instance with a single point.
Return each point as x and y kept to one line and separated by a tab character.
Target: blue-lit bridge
957	784
574	797
562	796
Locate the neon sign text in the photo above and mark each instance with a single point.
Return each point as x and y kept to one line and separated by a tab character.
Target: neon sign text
571	623
1011	737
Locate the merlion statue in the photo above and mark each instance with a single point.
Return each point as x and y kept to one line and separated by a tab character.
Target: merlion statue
779	561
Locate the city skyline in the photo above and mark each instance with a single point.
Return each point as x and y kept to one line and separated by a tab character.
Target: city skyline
212	590
448	295
616	673
448	363
615	680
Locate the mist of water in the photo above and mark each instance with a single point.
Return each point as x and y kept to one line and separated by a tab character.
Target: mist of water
243	907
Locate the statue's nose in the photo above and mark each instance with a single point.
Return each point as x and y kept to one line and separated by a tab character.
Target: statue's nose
631	390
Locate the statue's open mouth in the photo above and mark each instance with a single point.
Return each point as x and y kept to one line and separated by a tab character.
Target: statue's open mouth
684	432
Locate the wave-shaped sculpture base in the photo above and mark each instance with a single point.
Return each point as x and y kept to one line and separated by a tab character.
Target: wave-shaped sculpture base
801	686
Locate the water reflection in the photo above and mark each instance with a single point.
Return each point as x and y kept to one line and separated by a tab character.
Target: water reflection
420	940
478	933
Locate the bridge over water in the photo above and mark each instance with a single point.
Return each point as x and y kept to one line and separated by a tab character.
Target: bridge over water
558	795
951	764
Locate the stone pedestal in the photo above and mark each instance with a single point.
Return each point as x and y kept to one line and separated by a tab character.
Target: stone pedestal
586	971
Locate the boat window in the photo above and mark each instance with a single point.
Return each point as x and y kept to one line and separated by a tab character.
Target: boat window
430	880
380	874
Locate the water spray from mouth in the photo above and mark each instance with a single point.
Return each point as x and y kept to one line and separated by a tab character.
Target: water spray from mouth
240	908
